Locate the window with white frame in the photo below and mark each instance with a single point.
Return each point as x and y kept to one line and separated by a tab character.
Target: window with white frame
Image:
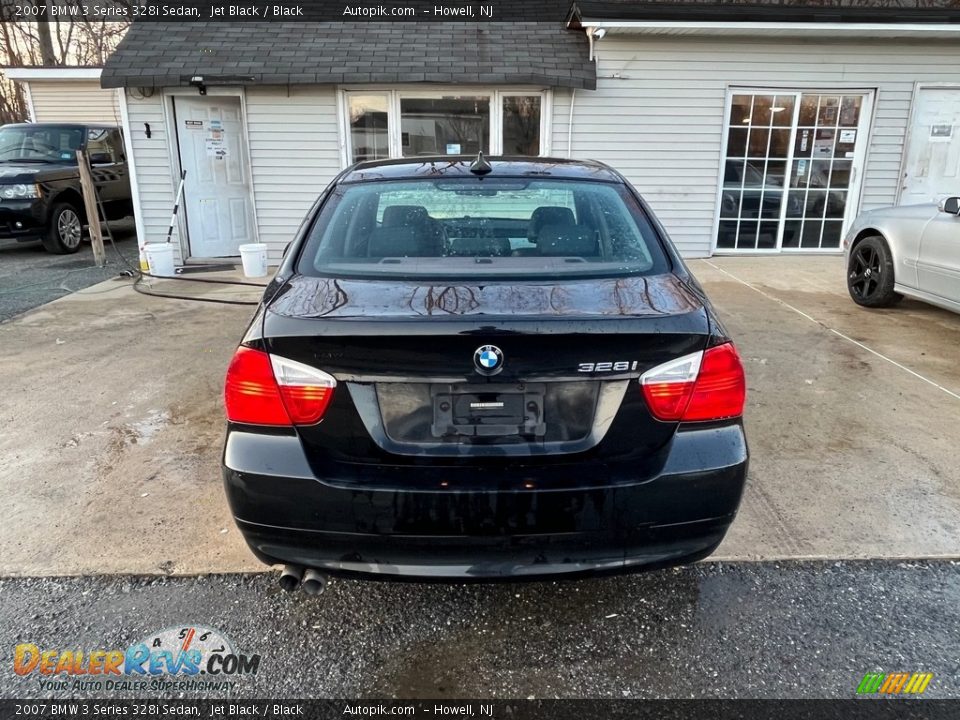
411	123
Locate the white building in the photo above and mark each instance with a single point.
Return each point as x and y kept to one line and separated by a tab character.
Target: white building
748	130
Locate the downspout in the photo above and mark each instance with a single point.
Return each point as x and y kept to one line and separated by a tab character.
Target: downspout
132	172
573	97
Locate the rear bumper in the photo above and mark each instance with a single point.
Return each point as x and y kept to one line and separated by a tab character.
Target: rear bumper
288	516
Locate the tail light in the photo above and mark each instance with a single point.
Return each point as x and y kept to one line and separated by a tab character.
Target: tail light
263	389
706	385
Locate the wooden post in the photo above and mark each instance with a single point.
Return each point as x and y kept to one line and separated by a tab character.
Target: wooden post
90	203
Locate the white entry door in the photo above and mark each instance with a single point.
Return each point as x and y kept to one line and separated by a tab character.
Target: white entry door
216	193
933	153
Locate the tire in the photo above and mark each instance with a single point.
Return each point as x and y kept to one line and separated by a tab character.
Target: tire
870	274
64	231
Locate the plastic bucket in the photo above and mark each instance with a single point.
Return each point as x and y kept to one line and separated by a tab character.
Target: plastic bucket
160	259
254	259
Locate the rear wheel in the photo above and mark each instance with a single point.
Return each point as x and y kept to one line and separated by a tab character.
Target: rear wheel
64	231
870	274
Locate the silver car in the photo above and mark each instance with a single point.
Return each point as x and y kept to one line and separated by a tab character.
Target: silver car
909	250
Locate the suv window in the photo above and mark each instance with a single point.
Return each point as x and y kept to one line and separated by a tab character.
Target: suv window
464	227
101	147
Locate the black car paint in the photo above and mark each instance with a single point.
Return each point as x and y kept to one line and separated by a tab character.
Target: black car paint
648	494
59	181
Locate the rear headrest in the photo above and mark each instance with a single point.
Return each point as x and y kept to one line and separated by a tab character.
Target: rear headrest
405	215
400	241
544	216
563	240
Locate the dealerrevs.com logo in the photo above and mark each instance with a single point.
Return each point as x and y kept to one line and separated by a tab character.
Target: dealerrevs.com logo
172	659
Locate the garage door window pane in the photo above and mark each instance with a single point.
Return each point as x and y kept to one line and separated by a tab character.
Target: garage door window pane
740	108
737	142
450	125
521	125
368	127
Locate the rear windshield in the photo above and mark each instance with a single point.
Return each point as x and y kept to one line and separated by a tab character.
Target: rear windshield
466	227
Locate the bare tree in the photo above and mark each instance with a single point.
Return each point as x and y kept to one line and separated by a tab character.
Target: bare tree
77	42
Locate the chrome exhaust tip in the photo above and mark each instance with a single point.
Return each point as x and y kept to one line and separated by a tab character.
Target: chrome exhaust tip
314	582
290	577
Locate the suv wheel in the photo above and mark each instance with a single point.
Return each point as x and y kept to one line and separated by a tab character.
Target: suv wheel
65	230
870	274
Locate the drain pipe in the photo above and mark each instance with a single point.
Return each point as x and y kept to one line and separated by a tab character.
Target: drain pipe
290	577
573	97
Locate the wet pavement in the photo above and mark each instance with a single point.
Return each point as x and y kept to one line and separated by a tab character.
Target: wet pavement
30	276
792	629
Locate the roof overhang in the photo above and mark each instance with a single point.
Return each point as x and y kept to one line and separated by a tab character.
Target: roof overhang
775	29
52	73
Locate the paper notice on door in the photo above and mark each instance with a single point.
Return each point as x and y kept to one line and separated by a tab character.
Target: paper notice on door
941	132
194	124
216	124
216	145
848	136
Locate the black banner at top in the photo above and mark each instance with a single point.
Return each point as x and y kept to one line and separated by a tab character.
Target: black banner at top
286	10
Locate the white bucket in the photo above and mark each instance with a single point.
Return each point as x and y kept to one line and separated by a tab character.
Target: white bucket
254	259
160	259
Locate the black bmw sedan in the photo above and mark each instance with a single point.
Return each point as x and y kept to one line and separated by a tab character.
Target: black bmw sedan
472	369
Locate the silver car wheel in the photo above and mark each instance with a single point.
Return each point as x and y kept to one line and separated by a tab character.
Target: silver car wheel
69	228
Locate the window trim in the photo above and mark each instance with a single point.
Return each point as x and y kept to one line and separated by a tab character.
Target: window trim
395	93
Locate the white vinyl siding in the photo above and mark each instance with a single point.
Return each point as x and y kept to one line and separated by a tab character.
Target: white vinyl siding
657	114
294	154
81	101
155	170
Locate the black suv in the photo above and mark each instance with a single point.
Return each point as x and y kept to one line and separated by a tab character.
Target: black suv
40	195
483	370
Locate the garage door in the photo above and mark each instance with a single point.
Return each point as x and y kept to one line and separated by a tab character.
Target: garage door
791	176
933	152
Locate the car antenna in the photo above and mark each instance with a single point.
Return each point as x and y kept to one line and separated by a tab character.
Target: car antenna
480	166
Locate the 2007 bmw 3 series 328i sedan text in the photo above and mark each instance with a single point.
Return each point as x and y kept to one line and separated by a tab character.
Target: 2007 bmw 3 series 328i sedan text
470	369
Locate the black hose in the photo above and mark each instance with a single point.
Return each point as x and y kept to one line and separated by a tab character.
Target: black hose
139	275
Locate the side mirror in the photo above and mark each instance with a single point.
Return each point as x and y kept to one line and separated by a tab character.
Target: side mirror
950	205
100	159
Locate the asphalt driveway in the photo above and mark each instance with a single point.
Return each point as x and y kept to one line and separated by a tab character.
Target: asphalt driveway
111	426
805	629
30	276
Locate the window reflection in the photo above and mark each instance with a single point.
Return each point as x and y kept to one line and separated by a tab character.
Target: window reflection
450	125
368	127
521	125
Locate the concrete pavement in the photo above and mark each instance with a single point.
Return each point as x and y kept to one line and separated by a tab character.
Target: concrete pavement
852	454
111	427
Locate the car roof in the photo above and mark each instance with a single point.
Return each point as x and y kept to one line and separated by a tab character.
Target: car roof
63	124
459	166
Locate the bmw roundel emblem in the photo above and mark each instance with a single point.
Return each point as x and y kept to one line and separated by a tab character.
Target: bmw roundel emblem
488	359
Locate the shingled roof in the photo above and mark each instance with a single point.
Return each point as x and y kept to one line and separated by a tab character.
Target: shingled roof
781	11
158	54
